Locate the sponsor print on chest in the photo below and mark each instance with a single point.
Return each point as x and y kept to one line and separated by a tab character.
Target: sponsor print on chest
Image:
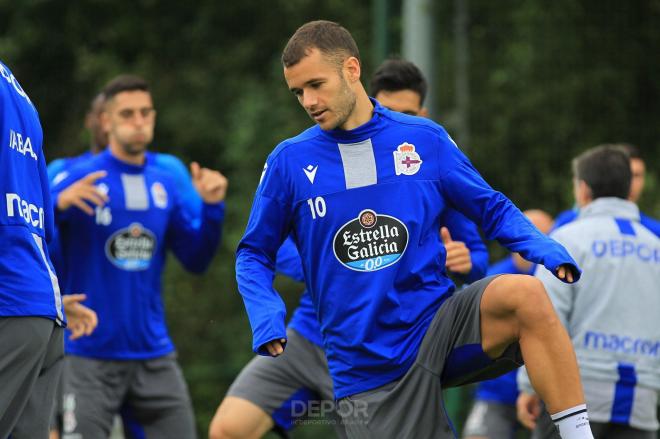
370	242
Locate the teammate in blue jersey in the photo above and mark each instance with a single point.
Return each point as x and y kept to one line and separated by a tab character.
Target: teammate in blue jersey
493	414
612	314
32	313
117	213
58	169
638	169
274	394
362	193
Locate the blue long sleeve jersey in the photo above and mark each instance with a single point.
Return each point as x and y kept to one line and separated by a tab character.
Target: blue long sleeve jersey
116	256
28	285
364	208
191	202
304	320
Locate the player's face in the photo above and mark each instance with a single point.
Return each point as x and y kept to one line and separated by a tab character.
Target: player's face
403	101
129	120
638	169
322	88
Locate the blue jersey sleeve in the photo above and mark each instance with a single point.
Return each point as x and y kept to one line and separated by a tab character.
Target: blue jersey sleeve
189	199
195	244
267	228
56	167
500	219
288	261
464	230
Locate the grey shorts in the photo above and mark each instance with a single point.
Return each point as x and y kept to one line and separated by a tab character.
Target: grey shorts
294	388
154	391
31	352
450	355
491	420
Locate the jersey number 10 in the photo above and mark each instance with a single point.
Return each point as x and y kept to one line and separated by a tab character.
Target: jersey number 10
317	206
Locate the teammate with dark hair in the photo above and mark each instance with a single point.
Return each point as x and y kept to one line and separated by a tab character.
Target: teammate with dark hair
129	211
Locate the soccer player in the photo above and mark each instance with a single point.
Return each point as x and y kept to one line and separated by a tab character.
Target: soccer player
274	394
638	169
117	213
366	229
493	414
612	314
31	315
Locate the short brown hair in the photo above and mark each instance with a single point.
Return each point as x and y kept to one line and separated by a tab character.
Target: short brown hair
123	83
330	38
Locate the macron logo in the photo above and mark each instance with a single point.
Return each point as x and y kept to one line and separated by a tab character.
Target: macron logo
310	172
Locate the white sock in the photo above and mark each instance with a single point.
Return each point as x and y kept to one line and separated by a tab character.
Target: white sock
573	423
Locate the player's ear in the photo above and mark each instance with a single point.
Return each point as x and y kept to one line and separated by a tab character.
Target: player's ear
352	69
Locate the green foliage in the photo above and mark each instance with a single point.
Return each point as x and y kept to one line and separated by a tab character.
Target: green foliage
547	79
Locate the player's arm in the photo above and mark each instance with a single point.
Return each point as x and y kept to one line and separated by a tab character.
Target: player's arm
467	255
498	217
267	227
195	242
288	261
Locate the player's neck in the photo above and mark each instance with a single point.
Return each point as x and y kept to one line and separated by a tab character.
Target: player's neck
362	112
132	159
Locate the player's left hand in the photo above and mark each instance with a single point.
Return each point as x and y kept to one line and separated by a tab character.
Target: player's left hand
275	347
81	320
564	272
210	185
528	408
458	254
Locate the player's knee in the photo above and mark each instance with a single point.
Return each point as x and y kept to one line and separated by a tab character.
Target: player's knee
533	304
225	428
239	419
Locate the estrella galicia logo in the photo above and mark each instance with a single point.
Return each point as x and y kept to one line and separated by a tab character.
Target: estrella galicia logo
370	242
131	248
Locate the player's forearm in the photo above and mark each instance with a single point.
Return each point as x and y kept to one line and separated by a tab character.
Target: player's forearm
265	308
195	247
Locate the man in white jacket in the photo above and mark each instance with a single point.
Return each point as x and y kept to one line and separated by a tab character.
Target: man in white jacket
612	315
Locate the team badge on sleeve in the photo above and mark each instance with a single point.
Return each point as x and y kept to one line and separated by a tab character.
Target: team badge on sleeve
370	242
159	195
406	160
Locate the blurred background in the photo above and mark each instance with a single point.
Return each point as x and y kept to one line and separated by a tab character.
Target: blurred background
523	86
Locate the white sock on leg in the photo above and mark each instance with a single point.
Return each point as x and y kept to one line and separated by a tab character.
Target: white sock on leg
573	423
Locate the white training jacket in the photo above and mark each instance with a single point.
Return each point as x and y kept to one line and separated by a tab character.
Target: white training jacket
613	313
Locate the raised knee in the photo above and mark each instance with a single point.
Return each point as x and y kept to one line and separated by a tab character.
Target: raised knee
534	305
237	418
224	428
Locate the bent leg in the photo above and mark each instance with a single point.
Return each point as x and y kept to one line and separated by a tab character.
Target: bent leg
516	308
238	418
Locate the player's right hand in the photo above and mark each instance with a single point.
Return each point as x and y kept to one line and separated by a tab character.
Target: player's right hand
82	192
528	408
81	320
275	347
458	258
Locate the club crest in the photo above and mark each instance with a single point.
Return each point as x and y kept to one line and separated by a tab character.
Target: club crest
406	160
